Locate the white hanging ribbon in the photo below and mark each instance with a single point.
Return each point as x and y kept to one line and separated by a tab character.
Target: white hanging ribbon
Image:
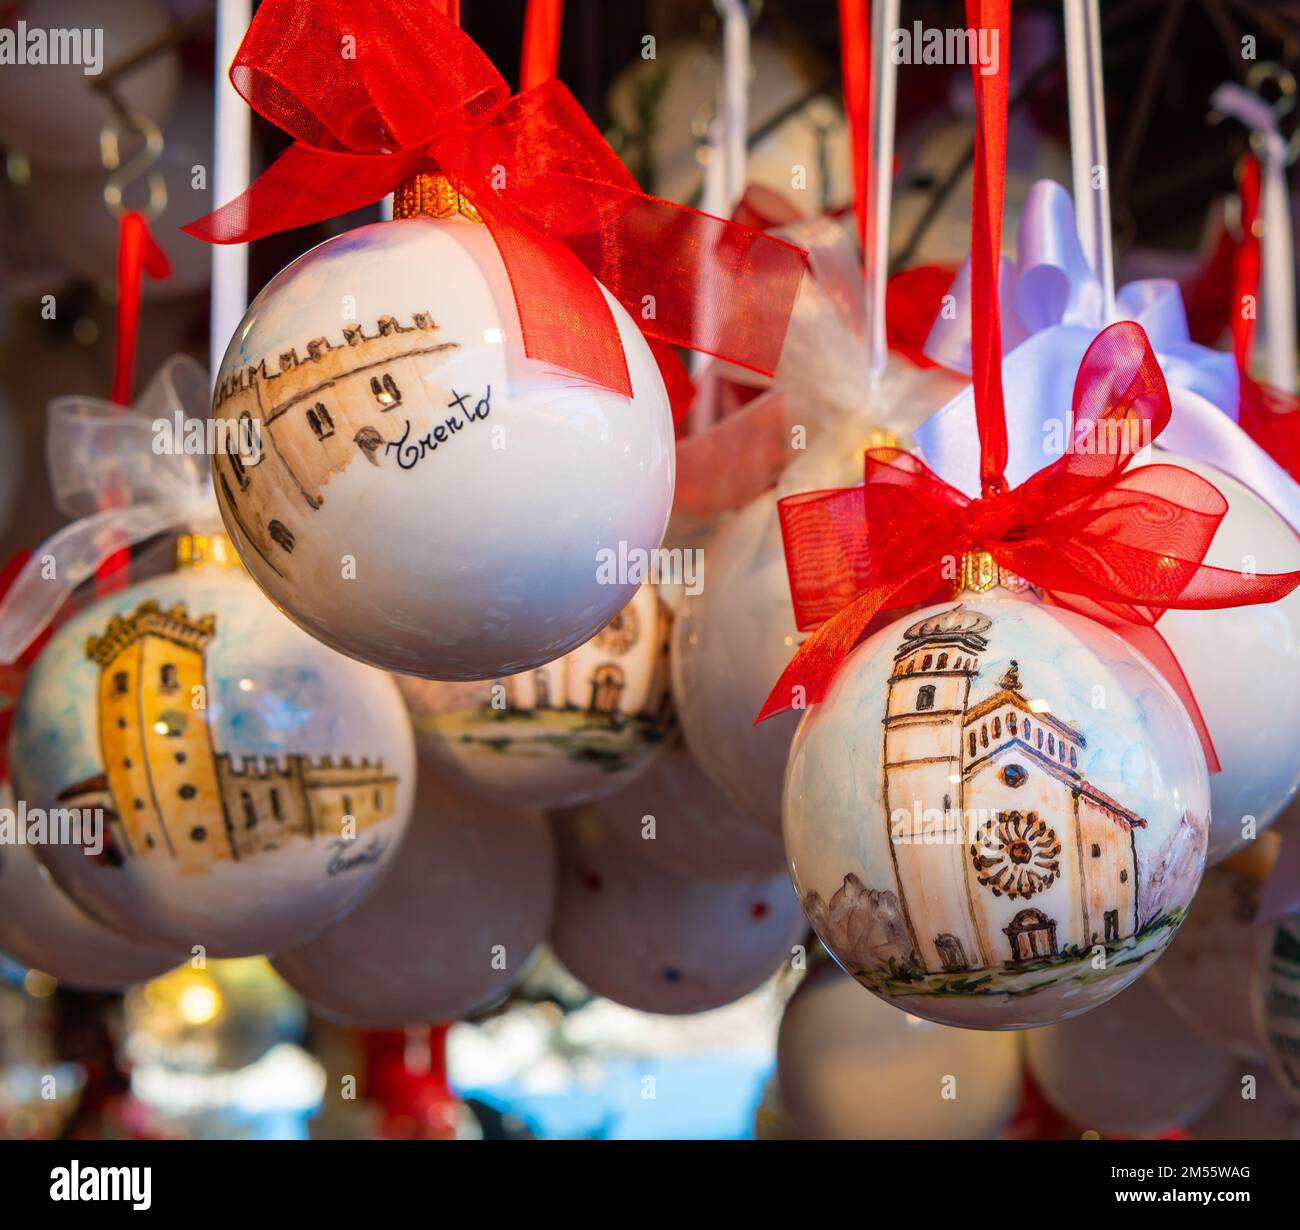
92	448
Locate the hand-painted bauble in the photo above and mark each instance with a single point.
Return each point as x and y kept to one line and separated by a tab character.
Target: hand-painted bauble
677	819
425	497
853	1068
997	816
1131	1067
1277	1003
1208	974
1242	664
252	782
42	928
567	732
50	109
660	942
449	928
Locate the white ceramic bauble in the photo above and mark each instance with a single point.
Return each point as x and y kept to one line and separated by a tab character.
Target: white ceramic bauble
731	641
226	749
425	497
67	206
567	732
51	112
851	1067
677	819
992	792
450	926
660	942
1131	1067
1242	664
1208	974
1277	1003
733	638
42	928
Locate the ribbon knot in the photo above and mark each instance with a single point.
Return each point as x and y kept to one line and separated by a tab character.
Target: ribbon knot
1119	544
373	95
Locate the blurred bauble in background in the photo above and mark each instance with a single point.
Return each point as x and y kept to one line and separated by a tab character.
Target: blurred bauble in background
449	928
219	1016
1208	973
42	928
677	819
1252	1106
52	112
1130	1067
731	641
661	942
253	782
428	499
567	732
1242	663
852	1067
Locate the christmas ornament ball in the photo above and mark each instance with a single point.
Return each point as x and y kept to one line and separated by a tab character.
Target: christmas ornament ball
422	495
997	816
252	783
565	733
1208	974
851	1067
729	642
42	928
449	928
1242	663
1131	1067
677	819
657	941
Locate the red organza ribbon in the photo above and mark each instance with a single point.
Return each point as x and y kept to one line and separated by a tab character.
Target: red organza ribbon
1269	415
855	69
373	94
1120	546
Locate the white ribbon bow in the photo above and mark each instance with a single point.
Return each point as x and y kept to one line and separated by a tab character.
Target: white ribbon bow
108	471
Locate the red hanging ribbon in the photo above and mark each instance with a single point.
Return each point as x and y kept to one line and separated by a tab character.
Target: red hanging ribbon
1120	546
137	254
855	68
541	54
374	94
1269	415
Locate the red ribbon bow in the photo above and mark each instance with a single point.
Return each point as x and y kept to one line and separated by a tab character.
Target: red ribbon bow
1121	546
374	94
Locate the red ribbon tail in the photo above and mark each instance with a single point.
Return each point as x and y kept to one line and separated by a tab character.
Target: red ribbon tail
302	186
1147	640
571	325
810	673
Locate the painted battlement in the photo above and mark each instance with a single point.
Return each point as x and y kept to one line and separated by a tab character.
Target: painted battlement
324	360
295	765
149	619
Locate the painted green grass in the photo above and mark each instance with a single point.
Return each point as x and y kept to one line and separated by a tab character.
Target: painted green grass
898	979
